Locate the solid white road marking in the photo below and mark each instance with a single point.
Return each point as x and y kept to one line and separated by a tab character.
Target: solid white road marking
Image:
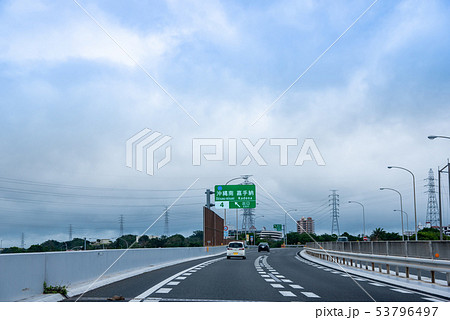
287	293
310	295
276	285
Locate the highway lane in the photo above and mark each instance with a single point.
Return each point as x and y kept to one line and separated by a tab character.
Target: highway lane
276	276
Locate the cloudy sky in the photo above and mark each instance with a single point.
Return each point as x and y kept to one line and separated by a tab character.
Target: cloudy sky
78	79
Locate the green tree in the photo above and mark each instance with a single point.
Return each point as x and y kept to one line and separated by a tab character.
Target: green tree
35	248
196	239
13	250
177	240
377	234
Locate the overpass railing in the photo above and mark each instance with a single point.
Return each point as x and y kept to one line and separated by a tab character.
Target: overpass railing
432	256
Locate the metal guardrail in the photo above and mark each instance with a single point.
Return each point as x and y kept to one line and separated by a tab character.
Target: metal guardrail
418	249
372	260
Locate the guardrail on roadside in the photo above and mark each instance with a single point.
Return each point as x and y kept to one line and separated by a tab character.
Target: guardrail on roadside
418	249
363	260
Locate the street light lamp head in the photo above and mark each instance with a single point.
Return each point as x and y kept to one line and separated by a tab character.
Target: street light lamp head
432	137
390	167
381	188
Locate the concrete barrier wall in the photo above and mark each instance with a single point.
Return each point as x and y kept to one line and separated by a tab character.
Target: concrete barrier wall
22	275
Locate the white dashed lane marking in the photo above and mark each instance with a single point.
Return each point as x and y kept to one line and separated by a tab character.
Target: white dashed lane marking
158	288
310	295
296	286
274	276
287	293
401	290
376	284
164	290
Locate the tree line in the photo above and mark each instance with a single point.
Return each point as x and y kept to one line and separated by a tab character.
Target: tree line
123	242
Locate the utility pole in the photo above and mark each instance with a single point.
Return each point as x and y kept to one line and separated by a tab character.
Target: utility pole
441	236
121	224
70	232
166	221
22	243
334	203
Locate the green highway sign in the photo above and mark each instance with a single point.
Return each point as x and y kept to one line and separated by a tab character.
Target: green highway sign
235	196
278	227
235	204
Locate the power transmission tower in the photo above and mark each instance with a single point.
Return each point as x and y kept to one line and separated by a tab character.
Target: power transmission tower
166	222
334	204
70	232
22	243
432	207
121	224
248	217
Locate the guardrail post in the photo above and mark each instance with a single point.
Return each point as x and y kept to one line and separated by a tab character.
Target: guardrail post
396	271
406	248
407	272
433	276
388	270
419	274
448	278
373	266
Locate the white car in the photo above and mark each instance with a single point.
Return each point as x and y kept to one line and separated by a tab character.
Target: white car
236	249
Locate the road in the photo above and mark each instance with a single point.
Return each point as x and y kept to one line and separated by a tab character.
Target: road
280	275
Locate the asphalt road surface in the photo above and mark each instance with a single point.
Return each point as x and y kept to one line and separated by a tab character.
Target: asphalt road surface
280	275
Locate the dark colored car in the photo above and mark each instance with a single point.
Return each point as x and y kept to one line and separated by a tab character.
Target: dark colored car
263	246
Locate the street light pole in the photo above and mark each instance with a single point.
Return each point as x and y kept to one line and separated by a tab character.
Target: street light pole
414	190
285	224
439	179
364	218
407	219
401	208
434	137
